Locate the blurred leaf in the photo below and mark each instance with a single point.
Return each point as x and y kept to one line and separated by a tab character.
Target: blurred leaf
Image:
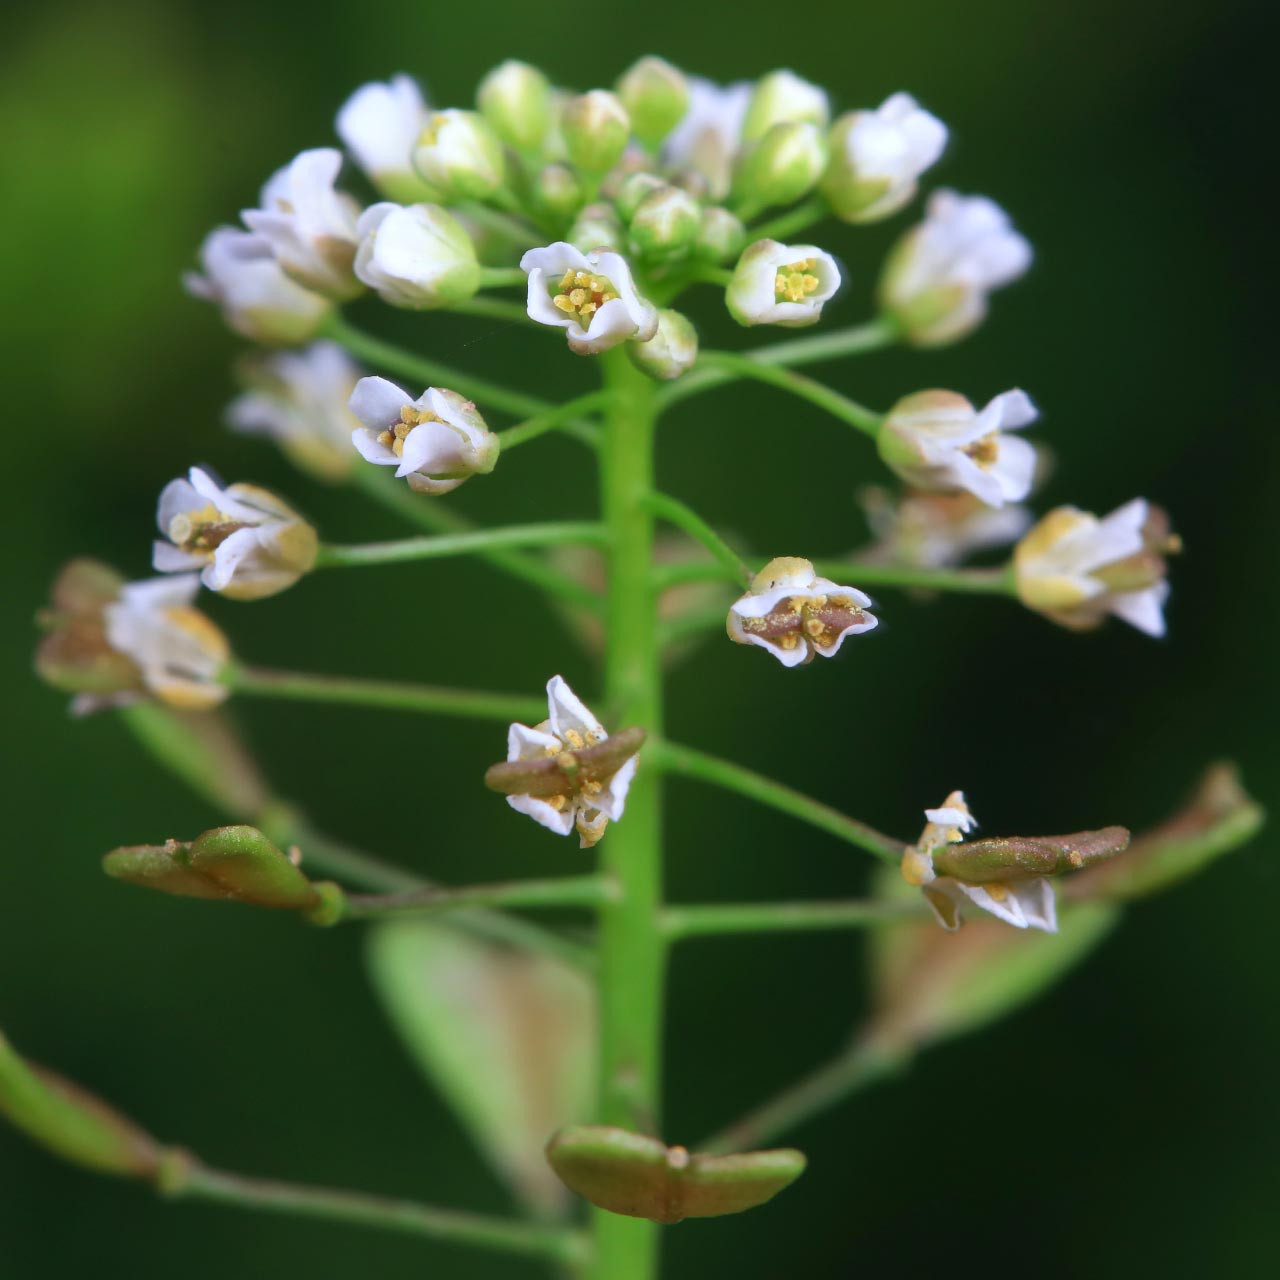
507	1037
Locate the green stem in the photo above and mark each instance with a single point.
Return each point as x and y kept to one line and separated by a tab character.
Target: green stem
559	418
501	1235
390	695
564	891
428	513
521	233
863	1063
732	364
783	917
976	582
459	544
502	277
689	763
787	224
689	521
491	309
632	952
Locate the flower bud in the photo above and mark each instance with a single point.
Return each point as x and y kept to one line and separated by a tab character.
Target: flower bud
236	864
420	256
721	235
665	223
379	124
596	128
633	190
782	97
781	284
670	351
656	96
516	100
783	166
459	153
557	191
596	227
641	1177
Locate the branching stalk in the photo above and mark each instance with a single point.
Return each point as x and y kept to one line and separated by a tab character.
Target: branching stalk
784	917
566	891
460	544
689	521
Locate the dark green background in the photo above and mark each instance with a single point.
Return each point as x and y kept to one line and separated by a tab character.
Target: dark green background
1126	1125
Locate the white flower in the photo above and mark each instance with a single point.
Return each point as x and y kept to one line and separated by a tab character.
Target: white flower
783	284
932	530
1077	568
570	727
421	256
782	97
179	653
709	135
796	615
311	226
435	442
591	296
938	276
458	153
1025	903
246	542
379	125
299	399
938	440
257	299
876	157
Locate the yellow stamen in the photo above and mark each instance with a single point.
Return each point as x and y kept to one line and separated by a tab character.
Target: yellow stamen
581	294
796	281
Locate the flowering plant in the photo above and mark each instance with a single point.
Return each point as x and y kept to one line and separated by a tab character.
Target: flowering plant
604	210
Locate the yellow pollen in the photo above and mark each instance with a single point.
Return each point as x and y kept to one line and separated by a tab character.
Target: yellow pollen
983	451
998	892
411	416
202	531
796	281
581	294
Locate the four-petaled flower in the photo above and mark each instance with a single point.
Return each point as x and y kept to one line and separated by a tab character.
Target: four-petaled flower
1076	568
591	296
796	615
421	256
783	284
246	541
590	798
931	530
1024	902
435	442
938	440
707	139
379	125
311	226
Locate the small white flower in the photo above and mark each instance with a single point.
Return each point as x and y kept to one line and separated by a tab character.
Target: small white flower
299	399
179	653
796	615
241	275
246	542
876	157
421	256
938	440
1025	903
782	97
709	136
1076	568
310	225
591	296
938	276
783	284
435	442
379	124
570	727
933	530
458	153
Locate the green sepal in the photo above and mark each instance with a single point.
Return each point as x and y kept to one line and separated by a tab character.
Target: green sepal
641	1177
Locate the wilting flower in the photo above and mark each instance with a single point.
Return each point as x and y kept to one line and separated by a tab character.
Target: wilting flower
876	157
670	351
311	227
435	442
246	542
709	135
576	778
938	440
591	296
782	97
796	615
783	284
937	278
241	275
379	125
1076	568
931	530
420	256
1023	903
458	153
299	399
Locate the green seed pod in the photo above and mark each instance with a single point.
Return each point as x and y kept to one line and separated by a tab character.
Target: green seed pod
1021	857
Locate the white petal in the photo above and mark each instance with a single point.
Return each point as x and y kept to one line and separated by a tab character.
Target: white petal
1037	903
166	558
231	554
558	820
176	498
377	403
869	623
371	449
611	324
613	798
432	448
569	712
1014	468
1014	409
524	743
1142	609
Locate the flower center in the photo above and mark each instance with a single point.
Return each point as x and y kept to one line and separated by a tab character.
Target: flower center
203	531
410	416
796	281
581	294
570	742
431	130
984	451
817	619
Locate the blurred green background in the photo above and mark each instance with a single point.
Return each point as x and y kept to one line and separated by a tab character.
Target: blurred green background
1125	1125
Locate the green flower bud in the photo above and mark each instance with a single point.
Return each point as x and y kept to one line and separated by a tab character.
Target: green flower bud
783	166
596	128
516	100
670	351
641	1177
595	227
721	235
557	191
633	190
656	95
666	223
460	154
782	97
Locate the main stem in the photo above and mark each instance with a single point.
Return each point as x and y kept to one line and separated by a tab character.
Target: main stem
632	949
